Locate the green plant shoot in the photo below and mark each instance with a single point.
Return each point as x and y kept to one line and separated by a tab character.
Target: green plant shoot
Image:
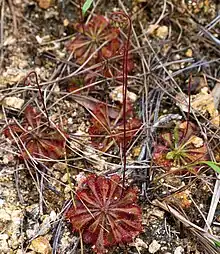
86	6
212	165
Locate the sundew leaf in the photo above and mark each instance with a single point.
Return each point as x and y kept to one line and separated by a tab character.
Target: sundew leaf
212	165
42	141
86	6
105	212
89	38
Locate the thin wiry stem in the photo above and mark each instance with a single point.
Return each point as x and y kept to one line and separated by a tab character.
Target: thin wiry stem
125	84
189	106
40	92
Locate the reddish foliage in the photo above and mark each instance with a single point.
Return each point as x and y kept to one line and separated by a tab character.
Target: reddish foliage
80	81
105	213
113	68
107	128
180	148
91	36
75	84
36	137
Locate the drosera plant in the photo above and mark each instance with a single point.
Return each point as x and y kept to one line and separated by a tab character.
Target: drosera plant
101	44
36	136
97	40
180	149
105	212
106	131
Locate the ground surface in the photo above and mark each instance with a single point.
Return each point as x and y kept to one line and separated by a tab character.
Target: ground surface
174	44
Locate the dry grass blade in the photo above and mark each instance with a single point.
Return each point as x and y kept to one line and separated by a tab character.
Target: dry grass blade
214	203
205	239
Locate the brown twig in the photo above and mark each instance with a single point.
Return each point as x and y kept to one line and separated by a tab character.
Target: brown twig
15	27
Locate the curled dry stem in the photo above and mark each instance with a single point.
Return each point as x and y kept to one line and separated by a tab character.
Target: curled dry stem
26	82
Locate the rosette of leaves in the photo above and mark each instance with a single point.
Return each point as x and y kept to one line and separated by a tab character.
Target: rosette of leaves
36	138
97	37
113	68
105	212
104	130
180	148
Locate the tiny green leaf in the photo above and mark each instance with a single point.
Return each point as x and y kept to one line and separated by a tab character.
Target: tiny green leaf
170	155
86	6
212	165
217	243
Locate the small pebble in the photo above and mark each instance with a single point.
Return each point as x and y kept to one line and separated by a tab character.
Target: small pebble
117	95
14	102
162	32
41	245
65	178
179	250
189	53
4	216
44	4
154	247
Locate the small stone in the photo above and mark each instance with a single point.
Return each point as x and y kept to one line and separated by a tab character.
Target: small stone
162	32
3	236
56	89
139	243
117	95
44	4
66	22
53	215
4	248
13	102
7	158
154	247
45	226
4	216
41	245
189	53
152	28
65	178
11	76
197	141
39	39
68	189
60	166
179	250
70	120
